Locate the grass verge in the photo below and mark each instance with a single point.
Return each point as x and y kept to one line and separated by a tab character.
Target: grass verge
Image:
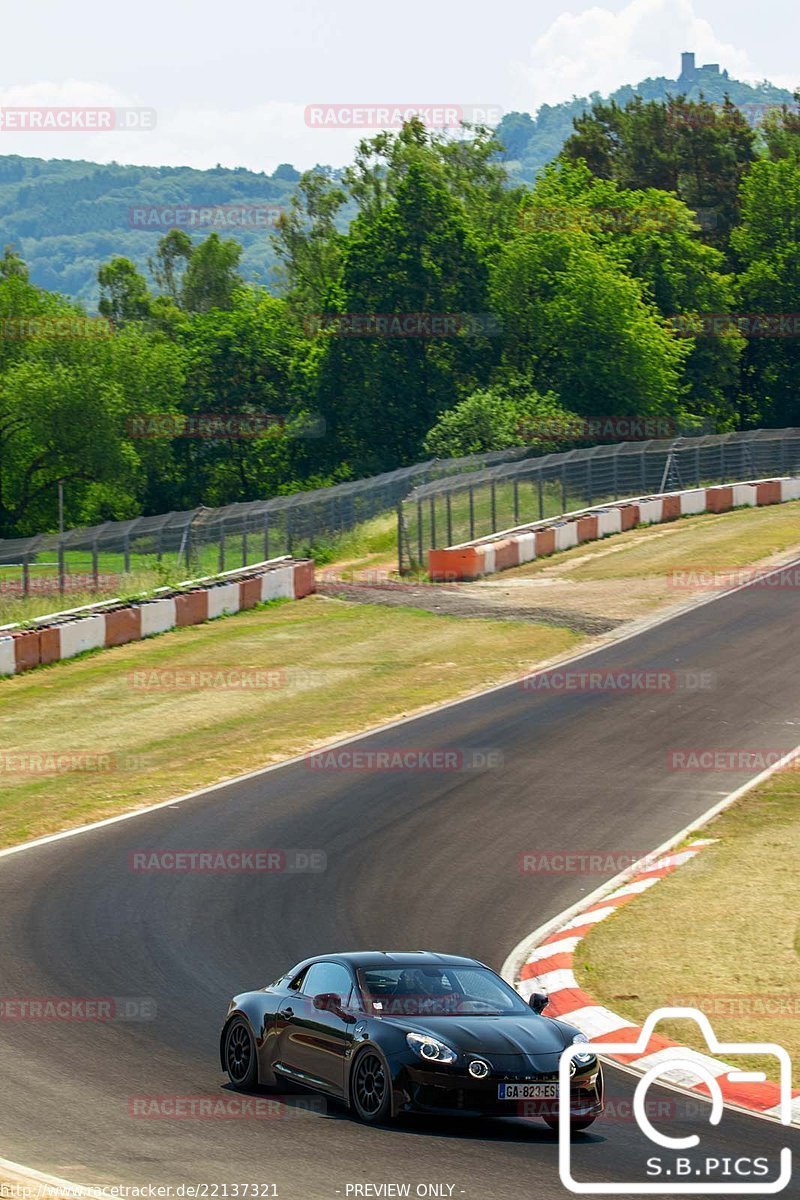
335	669
722	934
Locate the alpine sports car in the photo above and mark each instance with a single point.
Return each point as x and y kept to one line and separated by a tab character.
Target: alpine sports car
393	1033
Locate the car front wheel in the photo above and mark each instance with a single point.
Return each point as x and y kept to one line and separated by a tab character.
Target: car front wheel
240	1055
370	1088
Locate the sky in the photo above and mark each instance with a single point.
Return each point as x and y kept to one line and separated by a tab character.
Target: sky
255	83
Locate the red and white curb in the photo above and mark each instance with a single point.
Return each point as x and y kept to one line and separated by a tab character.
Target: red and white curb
549	968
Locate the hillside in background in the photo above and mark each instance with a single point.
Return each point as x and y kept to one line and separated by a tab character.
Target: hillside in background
531	142
67	217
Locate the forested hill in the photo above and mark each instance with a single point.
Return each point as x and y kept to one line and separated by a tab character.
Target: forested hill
66	217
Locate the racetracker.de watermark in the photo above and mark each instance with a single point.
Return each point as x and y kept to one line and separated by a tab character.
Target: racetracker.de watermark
223	1108
64	762
210	678
207	216
598	429
754	114
222	426
723	580
741	1005
654	680
409	758
55	328
51	119
728	758
587	862
394	116
77	1008
749	325
403	325
251	861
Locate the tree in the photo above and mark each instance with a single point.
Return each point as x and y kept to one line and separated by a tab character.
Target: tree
413	269
499	418
574	324
654	237
308	242
767	246
699	151
12	266
123	292
212	278
172	256
240	370
513	133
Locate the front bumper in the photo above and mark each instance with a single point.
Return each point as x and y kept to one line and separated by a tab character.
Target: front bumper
426	1088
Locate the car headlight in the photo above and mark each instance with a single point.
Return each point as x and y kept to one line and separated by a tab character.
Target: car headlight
588	1056
430	1048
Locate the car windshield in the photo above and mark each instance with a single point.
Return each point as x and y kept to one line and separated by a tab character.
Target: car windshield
434	991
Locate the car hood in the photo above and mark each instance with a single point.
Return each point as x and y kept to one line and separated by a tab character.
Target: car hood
505	1036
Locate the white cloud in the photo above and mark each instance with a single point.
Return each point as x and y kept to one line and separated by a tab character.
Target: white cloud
600	50
259	137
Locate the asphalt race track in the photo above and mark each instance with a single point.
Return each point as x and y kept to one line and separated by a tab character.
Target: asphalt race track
415	860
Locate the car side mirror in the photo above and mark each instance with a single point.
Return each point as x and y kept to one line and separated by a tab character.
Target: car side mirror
539	1001
328	1002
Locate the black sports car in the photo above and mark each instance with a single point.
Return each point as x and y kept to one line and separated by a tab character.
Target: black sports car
395	1033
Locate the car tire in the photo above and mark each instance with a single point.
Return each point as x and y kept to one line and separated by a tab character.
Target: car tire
576	1124
241	1064
370	1088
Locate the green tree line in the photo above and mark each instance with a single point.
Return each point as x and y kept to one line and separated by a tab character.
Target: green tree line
455	313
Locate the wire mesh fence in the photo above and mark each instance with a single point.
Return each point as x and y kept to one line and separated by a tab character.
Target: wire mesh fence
120	555
449	511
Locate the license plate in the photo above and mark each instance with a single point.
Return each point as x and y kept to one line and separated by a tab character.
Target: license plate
527	1091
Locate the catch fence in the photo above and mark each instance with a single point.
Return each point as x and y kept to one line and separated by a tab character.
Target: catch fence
449	511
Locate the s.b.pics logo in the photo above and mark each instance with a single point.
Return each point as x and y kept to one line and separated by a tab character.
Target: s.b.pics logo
687	1152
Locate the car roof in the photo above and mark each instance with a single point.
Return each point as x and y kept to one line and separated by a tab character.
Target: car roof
391	958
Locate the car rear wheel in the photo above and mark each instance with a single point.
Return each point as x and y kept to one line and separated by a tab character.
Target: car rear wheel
240	1055
370	1088
576	1124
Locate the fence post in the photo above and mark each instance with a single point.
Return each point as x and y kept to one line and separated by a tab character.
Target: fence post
244	544
449	519
419	533
494	508
288	531
589	481
563	487
266	537
399	537
516	500
643	472
433	522
95	579
126	554
25	574
471	513
221	564
61	565
541	495
616	476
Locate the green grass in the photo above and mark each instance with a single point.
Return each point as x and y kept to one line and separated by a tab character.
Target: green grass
722	934
347	667
706	543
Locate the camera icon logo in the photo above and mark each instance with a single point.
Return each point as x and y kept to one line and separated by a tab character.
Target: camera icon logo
684	1067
